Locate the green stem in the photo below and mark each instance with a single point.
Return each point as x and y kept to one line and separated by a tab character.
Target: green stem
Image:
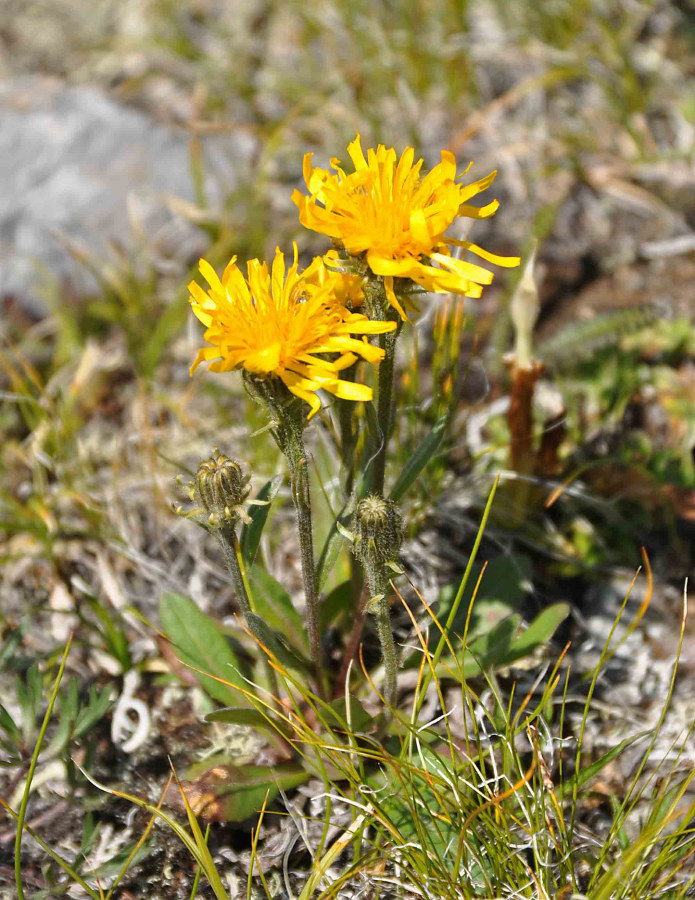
348	435
387	342
378	580
299	476
229	542
287	427
388	652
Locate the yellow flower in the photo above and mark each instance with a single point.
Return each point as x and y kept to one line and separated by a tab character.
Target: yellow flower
387	212
281	323
346	287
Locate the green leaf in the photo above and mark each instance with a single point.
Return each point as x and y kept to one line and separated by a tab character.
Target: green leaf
539	632
114	632
274	605
589	772
334	543
505	644
506	581
277	644
340	715
198	642
95	709
251	532
8	725
12	642
335	604
494	647
238	792
246	715
417	462
417	806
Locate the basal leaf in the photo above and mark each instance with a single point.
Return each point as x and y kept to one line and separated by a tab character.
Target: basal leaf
336	603
506	581
277	644
198	643
539	632
589	772
340	714
246	715
230	793
274	605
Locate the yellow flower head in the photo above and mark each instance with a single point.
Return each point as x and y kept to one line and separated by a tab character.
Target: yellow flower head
387	212
281	323
346	287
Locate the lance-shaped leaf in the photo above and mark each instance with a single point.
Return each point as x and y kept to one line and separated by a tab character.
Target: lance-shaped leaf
258	512
198	643
228	793
417	462
335	542
274	605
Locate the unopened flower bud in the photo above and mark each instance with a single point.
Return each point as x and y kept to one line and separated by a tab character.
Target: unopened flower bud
378	528
221	487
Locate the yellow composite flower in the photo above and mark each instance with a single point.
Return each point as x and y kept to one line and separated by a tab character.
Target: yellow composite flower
346	287
396	218
283	323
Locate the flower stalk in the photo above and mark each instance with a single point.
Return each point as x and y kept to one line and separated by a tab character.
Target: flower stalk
380	310
221	490
288	423
378	528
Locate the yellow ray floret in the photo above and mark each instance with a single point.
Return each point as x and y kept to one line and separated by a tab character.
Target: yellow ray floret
283	323
396	218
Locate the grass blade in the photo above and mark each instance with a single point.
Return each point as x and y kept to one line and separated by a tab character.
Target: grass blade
32	769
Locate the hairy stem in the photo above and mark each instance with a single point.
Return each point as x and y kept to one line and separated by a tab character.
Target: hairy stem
229	542
299	475
388	651
378	581
387	342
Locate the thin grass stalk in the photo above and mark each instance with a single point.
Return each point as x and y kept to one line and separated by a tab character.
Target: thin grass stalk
21	815
197	848
49	851
198	871
441	644
133	853
625	806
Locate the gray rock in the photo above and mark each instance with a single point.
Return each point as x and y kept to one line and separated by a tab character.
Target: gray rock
73	162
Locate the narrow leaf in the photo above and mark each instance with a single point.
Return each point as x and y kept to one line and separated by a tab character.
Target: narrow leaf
417	462
539	631
276	644
334	604
251	532
246	715
341	715
591	771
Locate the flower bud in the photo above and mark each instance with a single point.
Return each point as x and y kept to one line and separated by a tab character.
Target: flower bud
378	528
221	487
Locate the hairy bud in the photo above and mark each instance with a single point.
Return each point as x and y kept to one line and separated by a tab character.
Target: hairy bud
221	486
378	528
